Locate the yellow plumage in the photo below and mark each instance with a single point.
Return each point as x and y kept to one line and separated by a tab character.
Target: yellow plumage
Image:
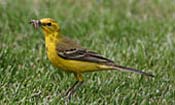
71	57
74	66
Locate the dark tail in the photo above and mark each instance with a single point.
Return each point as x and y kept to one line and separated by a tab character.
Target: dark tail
122	68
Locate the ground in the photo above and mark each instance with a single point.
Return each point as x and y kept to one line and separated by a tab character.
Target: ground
134	33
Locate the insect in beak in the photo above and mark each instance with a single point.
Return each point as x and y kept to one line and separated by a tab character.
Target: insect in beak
36	23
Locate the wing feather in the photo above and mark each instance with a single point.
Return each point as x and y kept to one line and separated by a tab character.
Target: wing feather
83	55
69	49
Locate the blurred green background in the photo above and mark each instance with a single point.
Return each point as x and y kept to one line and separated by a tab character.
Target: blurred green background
134	33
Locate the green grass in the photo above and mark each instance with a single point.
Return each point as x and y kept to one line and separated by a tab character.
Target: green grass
136	33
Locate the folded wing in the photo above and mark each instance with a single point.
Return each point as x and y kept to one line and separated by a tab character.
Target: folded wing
83	55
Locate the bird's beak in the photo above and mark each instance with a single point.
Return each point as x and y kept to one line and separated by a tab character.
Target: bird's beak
36	23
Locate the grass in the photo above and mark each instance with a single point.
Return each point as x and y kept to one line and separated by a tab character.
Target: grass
139	34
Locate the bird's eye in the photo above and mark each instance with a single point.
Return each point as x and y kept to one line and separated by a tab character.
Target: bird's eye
49	24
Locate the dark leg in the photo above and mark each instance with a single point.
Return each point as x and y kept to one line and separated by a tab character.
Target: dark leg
76	85
72	90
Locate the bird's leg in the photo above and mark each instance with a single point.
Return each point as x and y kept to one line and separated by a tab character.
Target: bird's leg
76	85
72	89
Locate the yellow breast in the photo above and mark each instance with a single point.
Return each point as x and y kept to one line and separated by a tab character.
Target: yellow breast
52	53
65	64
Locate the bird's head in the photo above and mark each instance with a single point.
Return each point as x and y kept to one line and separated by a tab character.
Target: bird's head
48	25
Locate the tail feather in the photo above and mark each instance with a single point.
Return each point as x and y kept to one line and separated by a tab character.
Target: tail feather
122	68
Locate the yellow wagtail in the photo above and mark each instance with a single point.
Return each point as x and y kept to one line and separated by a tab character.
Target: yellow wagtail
71	57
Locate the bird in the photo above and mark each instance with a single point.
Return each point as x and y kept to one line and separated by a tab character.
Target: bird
68	55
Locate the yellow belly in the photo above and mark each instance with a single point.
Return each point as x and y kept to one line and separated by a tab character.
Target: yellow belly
70	65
